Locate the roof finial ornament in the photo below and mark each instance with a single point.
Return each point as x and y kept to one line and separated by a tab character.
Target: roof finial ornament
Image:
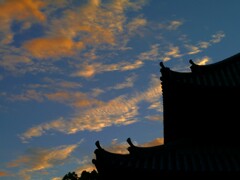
98	145
161	64
130	142
191	62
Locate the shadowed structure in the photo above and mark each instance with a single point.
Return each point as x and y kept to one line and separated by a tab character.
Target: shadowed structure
201	131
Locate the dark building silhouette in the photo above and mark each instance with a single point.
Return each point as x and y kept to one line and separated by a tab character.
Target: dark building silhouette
201	131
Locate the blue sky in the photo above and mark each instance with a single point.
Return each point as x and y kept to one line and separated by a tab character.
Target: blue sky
76	71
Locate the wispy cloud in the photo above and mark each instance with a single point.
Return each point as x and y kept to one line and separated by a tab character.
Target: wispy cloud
155	118
128	83
194	49
89	70
41	159
76	99
121	110
152	54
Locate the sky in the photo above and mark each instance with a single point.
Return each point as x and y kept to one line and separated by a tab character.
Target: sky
76	71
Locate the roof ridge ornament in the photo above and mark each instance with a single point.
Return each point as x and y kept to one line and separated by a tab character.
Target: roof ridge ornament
192	63
162	65
130	142
97	143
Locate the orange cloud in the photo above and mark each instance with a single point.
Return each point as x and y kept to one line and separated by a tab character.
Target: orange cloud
118	148
119	111
155	142
22	9
89	70
76	99
204	60
41	159
3	173
154	118
53	47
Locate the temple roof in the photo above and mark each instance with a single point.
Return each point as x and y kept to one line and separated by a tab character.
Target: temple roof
196	142
225	73
176	157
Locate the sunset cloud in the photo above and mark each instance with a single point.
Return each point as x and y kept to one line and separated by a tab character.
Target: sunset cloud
90	70
152	54
203	61
18	10
92	24
4	173
76	99
128	83
194	49
121	148
42	159
118	111
135	24
155	142
155	118
52	47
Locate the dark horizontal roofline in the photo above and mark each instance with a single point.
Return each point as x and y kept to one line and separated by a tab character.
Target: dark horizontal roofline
195	66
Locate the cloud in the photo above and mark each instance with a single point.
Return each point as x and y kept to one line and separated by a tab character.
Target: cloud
216	38
18	10
153	54
13	62
121	148
27	96
4	173
135	24
171	25
85	165
41	159
155	118
157	106
92	24
155	142
76	99
52	47
203	61
89	70
121	110
128	83
194	49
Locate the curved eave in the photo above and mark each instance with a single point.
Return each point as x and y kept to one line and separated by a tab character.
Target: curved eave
101	151
225	73
177	157
143	150
223	62
233	60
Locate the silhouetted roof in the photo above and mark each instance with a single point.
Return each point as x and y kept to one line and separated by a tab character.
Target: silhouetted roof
175	157
225	73
182	152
